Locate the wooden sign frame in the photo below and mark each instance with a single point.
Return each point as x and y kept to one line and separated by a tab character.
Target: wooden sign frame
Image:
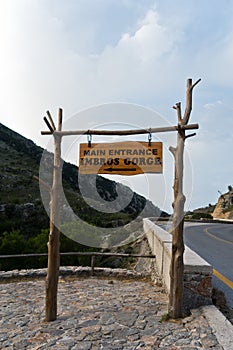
177	265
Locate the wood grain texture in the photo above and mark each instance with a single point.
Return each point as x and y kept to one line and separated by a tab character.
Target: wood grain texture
121	158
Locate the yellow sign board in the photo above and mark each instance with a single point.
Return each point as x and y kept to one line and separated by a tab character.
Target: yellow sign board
121	158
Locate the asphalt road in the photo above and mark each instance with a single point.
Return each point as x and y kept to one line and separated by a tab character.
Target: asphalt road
214	243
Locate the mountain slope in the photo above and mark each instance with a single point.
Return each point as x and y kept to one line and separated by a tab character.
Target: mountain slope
20	201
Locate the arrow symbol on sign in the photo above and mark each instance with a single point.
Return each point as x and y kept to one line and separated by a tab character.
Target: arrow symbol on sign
120	169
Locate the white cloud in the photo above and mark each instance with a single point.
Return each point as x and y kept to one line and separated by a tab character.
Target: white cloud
150	41
212	104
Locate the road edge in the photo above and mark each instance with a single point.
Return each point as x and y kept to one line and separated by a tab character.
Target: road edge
222	327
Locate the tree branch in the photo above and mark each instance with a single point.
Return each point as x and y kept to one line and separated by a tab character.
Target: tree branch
172	150
59	119
188	108
198	81
49	125
178	109
51	120
191	135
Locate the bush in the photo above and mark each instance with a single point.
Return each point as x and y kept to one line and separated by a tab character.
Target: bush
198	216
12	243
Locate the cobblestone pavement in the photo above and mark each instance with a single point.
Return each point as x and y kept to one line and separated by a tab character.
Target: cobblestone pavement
97	313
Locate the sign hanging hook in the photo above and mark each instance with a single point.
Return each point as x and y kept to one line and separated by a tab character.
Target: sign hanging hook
89	138
149	138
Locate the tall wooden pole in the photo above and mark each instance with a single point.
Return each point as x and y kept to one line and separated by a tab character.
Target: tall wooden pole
54	235
177	264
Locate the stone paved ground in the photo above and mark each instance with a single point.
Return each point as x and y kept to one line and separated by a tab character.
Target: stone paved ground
97	313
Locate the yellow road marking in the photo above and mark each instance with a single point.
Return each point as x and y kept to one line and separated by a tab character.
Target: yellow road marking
217	274
222	278
217	238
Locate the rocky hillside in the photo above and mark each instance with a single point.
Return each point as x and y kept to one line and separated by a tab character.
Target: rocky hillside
224	207
20	201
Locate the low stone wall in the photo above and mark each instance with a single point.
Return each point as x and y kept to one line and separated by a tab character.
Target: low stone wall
197	272
77	271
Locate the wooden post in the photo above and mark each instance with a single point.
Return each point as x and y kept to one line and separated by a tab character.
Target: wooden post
92	265
54	235
175	308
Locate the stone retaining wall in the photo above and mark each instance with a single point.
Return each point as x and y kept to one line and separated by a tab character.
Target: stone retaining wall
197	272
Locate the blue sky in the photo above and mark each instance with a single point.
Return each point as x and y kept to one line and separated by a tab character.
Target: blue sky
77	54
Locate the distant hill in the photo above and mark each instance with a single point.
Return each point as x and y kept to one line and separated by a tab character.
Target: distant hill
201	213
20	201
223	209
